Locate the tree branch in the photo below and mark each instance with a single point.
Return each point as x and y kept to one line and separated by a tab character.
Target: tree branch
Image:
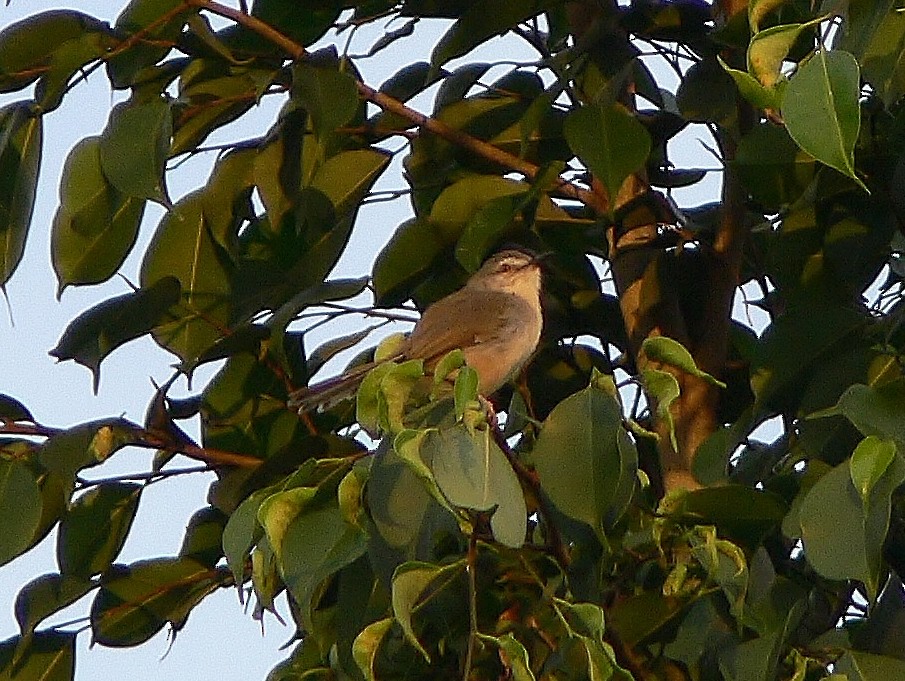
461	139
147	440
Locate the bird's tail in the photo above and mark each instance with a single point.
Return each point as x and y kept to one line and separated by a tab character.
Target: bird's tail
326	394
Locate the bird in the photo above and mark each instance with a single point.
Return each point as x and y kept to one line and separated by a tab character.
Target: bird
496	320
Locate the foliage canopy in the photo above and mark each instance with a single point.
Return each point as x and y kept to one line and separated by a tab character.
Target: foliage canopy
624	523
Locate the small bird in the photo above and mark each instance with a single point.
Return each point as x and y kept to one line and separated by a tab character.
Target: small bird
495	319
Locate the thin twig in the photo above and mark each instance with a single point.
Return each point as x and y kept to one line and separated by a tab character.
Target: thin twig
455	136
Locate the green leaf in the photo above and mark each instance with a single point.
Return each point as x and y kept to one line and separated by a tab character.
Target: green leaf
883	62
465	391
750	88
486	229
159	21
397	268
461	202
609	141
134	148
48	656
878	411
758	9
29	46
410	582
769	48
69	59
85	445
137	601
241	533
513	655
20	508
203	539
843	536
706	93
303	24
210	103
821	111
856	665
587	428
870	460
775	171
96	225
366	645
668	351
316	544
472	472
743	514
329	96
46	595
97	332
753	660
478	23
21	134
182	247
663	388
94	530
12	409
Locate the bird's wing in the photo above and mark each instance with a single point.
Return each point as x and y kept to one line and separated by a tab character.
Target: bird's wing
454	322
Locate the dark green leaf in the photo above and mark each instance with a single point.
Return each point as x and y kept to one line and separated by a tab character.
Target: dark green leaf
744	514
204	536
315	542
94	530
46	595
821	111
397	266
774	169
48	656
97	332
478	23
20	507
85	445
241	533
68	60
707	93
134	148
843	535
27	47
183	248
21	134
301	23
135	602
883	65
330	96
609	141
12	409
158	20
410	582
861	666
96	225
588	427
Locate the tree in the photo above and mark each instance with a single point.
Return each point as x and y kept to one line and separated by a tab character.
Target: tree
623	522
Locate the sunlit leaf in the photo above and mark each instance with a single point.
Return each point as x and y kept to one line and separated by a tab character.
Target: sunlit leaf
821	111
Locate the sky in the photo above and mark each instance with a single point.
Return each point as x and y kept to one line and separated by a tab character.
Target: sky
220	640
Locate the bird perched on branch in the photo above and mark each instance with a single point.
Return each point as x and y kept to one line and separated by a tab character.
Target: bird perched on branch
495	319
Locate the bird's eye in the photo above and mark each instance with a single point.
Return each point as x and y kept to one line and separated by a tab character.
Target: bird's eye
505	267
